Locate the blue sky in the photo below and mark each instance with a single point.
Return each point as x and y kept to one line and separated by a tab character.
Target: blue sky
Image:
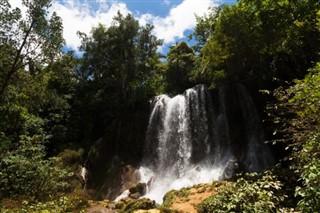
173	19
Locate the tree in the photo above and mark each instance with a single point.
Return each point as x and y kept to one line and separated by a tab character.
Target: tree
181	62
31	40
60	80
258	41
118	58
205	27
120	70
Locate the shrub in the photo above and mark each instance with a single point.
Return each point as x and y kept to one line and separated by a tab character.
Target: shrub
248	194
74	202
169	198
71	157
306	132
297	115
25	171
310	177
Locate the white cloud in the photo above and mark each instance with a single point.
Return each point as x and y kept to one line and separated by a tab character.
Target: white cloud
82	16
180	19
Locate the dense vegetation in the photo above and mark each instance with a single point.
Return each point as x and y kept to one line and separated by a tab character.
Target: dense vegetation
55	108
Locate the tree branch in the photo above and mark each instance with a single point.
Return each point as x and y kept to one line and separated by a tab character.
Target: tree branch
14	67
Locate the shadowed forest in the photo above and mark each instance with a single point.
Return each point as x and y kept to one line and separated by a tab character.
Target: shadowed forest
60	112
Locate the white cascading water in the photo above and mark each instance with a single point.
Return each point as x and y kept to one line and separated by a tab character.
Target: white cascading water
188	141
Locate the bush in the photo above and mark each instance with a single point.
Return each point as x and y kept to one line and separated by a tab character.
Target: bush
25	171
70	203
71	157
298	112
170	196
310	177
248	194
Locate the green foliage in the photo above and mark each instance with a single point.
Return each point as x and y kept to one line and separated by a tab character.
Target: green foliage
181	61
72	161
251	193
38	105
73	202
184	192
33	41
120	71
36	91
120	60
60	81
25	171
296	118
49	100
305	103
259	40
310	176
306	99
16	111
71	157
205	26
169	197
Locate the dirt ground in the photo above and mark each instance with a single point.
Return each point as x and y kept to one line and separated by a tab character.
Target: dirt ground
188	204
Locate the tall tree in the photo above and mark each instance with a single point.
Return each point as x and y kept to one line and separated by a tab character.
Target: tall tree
181	62
27	41
205	26
118	70
261	40
118	57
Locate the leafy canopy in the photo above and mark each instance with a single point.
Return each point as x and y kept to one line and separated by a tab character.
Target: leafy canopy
260	40
33	40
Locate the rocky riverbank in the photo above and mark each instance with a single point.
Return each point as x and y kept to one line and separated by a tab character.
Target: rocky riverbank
183	200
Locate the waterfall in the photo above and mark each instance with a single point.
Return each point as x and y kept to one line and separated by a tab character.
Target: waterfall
258	154
193	139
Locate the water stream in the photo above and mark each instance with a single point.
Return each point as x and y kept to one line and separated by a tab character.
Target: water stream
193	139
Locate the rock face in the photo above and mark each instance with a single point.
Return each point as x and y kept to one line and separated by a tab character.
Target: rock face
124	178
124	137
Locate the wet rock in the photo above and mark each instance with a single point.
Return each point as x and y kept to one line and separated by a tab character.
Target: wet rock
151	181
231	169
138	190
135	195
129	205
124	178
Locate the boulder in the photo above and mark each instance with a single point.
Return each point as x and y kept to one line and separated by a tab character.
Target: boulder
135	195
138	190
129	205
231	169
124	178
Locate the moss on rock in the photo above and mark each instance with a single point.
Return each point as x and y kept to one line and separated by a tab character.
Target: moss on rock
128	205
